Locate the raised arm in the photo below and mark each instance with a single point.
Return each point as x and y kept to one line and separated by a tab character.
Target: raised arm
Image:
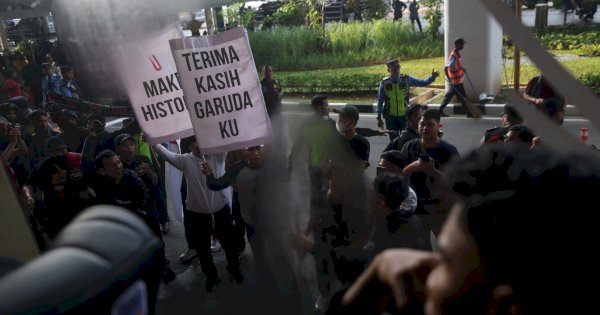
171	157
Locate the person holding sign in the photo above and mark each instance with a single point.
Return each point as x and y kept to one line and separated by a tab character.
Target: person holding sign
204	206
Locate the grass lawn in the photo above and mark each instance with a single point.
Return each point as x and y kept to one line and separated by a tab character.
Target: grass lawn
420	68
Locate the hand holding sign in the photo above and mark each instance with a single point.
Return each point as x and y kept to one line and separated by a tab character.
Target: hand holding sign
222	91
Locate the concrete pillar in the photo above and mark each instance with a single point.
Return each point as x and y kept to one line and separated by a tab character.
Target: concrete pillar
482	55
3	37
210	24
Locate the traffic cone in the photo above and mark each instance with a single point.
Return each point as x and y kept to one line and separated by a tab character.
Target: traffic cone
584	135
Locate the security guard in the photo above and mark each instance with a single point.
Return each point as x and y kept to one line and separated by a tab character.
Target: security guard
392	98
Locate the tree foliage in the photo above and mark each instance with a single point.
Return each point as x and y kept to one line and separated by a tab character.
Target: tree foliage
433	16
291	13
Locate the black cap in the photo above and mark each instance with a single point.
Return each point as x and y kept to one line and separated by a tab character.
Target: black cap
411	109
349	111
36	114
393	63
460	40
99	118
122	138
69	113
318	100
55	142
512	113
20	101
524	133
395	157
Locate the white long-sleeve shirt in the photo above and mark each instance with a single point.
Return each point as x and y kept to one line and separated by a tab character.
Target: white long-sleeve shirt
199	198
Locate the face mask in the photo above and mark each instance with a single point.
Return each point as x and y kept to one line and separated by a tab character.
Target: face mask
342	127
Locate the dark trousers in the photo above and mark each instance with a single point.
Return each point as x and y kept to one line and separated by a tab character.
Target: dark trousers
199	229
163	216
418	23
459	91
151	219
159	203
240	224
396	123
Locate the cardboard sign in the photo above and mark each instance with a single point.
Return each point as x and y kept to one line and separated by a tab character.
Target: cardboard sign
149	75
222	91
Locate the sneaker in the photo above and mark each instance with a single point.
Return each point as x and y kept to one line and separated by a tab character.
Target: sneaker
168	275
164	228
214	245
237	276
211	284
187	257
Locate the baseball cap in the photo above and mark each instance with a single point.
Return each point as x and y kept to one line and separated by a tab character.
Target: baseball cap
122	138
513	114
413	108
349	111
69	113
36	114
20	101
55	142
393	63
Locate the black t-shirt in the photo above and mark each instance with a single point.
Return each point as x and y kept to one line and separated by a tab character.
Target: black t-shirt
401	230
61	181
136	161
129	193
441	154
406	135
495	135
272	93
361	147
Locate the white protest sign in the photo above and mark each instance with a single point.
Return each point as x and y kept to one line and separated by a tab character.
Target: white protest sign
222	91
149	74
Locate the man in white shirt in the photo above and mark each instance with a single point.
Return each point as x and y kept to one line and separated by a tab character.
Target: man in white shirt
203	206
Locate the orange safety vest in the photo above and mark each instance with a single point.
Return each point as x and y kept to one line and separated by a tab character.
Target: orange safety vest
456	76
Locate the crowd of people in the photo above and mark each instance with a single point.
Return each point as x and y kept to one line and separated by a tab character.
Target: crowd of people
470	227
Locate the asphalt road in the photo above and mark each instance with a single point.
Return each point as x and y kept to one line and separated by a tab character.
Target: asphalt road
186	294
555	18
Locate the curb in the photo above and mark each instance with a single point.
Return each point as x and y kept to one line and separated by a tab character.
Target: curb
487	109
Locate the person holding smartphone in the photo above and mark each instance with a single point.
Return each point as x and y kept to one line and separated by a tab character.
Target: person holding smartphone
426	156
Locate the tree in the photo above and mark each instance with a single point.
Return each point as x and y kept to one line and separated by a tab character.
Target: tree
433	16
291	13
314	17
375	9
237	15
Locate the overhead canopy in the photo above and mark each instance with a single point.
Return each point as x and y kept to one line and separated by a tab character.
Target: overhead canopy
21	9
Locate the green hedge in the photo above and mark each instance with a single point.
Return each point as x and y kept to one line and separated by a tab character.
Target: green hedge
341	45
584	40
365	80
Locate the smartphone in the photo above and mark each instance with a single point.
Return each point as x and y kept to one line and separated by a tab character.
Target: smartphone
424	157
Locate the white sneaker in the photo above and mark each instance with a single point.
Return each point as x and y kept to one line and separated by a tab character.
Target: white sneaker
214	245
186	257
